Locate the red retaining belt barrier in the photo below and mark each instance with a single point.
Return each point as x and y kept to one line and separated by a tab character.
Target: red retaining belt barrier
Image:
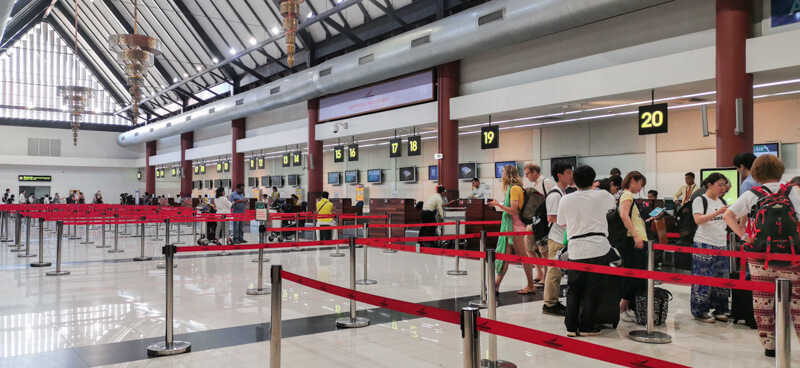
214	248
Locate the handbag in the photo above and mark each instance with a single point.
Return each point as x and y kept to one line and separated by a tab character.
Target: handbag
660	306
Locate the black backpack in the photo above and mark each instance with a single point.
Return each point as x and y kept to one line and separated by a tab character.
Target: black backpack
541	228
617	232
687	227
773	224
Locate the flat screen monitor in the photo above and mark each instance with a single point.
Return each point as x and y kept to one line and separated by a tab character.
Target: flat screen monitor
265	181
733	178
468	171
277	181
572	160
294	180
199	184
433	172
351	177
226	183
217	183
209	184
498	167
374	176
252	182
334	178
767	149
407	174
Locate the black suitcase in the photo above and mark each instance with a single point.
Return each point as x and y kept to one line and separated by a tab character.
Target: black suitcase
742	304
607	313
211	231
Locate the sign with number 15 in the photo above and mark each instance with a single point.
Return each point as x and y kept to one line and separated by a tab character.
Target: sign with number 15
338	154
490	137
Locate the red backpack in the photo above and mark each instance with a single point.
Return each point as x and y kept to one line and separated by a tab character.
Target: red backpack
773	224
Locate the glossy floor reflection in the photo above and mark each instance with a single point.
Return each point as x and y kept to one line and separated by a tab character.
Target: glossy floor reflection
110	307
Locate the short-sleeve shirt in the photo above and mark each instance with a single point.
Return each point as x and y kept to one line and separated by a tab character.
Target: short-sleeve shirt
241	206
712	232
747	184
584	212
517	194
748	199
636	217
552	202
324	207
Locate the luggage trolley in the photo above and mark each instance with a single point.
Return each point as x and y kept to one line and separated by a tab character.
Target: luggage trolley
279	236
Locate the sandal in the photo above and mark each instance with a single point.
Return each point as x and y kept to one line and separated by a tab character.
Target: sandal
538	285
527	291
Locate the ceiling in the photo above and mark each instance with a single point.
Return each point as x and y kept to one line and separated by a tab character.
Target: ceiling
197	34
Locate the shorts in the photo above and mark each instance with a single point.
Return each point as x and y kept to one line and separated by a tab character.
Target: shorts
531	244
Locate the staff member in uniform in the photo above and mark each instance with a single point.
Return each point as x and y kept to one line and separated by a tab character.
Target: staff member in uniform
325	207
684	194
433	206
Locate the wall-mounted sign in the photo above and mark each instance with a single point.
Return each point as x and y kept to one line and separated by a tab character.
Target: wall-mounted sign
352	152
36	178
196	169
785	12
174	172
203	169
138	175
653	119
396	147
252	164
261	162
219	167
490	137
338	154
226	166
414	145
297	158
286	160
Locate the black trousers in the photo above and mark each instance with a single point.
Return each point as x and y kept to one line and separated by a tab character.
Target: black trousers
584	294
637	259
428	217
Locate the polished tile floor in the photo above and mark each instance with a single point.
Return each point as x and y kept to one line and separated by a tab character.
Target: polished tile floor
110	308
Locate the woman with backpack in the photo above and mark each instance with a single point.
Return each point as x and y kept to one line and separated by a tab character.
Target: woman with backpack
515	198
633	253
777	223
707	210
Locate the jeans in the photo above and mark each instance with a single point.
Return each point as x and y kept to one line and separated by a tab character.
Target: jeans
584	295
238	231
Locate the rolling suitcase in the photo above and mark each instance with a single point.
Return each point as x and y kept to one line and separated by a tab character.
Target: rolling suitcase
607	313
211	231
742	304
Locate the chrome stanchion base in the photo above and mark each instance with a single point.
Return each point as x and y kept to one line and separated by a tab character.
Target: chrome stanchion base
26	255
103	246
6	240
86	242
180	242
255	260
366	282
478	303
156	239
655	337
486	363
115	250
17	249
161	348
223	253
57	273
336	255
41	264
457	272
347	322
255	291
164	265
140	259
390	251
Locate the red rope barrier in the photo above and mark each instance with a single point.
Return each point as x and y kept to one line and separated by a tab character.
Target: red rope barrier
509	233
424	250
214	248
411	225
480	223
728	253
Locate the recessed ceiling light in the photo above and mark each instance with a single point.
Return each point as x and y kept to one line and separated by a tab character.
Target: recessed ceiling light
198	67
338	1
163	86
310	15
185	75
232	51
215	60
253	41
175	80
275	30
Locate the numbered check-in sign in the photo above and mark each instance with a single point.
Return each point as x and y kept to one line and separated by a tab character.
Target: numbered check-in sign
286	160
490	137
653	119
297	159
414	145
338	154
395	148
352	152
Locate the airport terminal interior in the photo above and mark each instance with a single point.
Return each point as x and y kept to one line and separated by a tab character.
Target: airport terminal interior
345	183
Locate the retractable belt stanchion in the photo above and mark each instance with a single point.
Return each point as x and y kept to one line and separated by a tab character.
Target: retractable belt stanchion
27	253
469	333
74	232
116	237
87	232
194	228
169	347
179	234
261	240
41	262
365	280
481	303
59	240
163	263
338	232
4	227
732	248
125	230
222	241
142	257
649	336
17	233
155	237
457	271
783	323
352	321
275	318
389	235
296	231
103	236
492	361
259	289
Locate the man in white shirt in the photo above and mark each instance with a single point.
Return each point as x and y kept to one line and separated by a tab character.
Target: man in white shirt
534	174
562	172
479	190
433	206
583	214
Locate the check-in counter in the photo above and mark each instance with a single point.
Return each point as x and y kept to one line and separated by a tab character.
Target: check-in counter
402	211
477	210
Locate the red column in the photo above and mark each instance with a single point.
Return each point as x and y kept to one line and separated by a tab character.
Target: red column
187	142
150	171
447	87
733	29
237	162
314	163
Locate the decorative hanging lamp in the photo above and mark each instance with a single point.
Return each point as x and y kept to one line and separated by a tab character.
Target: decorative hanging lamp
136	54
75	97
290	10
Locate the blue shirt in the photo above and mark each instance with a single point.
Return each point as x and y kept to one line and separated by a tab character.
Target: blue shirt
747	184
239	207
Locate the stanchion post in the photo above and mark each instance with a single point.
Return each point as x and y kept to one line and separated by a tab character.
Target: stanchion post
116	236
194	228
732	248
17	232
178	241
783	323
275	318
59	240
492	361
337	253
169	346
163	263
650	336
87	240
259	289
352	321
389	235
366	280
27	239
142	257
222	241
481	303
41	262
469	333
457	271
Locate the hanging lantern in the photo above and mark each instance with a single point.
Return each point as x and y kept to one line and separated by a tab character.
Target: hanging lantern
290	10
75	97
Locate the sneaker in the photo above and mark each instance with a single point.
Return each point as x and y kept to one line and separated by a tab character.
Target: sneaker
593	332
572	334
556	310
722	317
627	316
705	318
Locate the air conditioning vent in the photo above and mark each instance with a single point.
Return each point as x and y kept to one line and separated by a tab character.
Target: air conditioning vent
44	147
491	17
274	90
33	147
240	102
421	41
55	148
211	110
366	59
325	72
